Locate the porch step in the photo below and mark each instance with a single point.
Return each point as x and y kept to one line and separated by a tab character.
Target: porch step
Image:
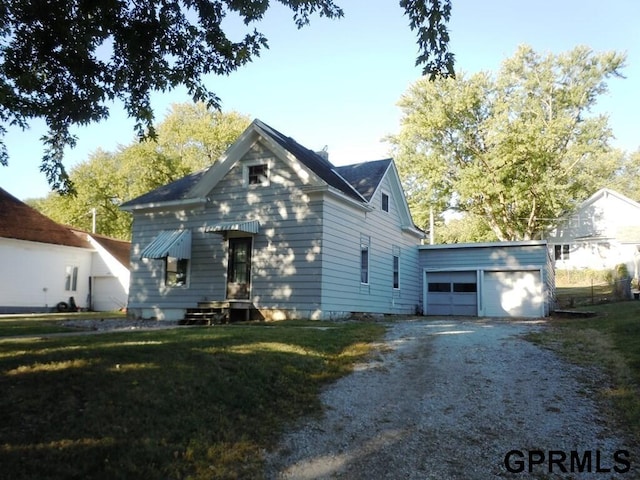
215	312
205	316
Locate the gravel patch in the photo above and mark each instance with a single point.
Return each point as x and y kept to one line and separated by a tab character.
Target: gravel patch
449	400
117	324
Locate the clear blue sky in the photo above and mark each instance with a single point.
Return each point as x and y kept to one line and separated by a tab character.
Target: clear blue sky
337	82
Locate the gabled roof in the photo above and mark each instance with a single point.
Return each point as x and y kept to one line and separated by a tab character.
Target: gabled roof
184	189
365	177
312	160
604	193
118	249
21	222
171	192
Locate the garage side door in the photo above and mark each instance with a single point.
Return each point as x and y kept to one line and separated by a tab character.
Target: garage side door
452	293
513	294
108	294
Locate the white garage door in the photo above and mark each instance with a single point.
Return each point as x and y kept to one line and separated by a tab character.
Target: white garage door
108	294
513	294
452	293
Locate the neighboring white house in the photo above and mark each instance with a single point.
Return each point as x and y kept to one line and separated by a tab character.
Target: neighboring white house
45	264
275	229
602	232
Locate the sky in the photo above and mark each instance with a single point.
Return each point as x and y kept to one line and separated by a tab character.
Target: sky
336	83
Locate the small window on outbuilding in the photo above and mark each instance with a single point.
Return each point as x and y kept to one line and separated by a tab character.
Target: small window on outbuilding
439	287
385	202
71	278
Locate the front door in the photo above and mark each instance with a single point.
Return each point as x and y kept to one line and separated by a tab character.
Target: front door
239	268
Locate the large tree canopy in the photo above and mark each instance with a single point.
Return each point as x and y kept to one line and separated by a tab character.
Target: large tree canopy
190	138
517	149
64	61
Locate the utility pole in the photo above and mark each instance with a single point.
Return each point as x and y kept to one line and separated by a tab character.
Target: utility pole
93	220
431	227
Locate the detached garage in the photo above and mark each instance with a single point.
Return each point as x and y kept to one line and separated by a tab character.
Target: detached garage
506	279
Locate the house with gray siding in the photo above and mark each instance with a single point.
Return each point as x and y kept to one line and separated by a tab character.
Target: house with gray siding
273	230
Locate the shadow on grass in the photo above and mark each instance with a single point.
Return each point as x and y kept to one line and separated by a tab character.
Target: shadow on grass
196	402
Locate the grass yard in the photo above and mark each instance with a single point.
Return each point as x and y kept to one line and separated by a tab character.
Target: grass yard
610	340
196	402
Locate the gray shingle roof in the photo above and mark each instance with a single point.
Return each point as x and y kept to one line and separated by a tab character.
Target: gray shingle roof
313	161
355	181
365	177
176	190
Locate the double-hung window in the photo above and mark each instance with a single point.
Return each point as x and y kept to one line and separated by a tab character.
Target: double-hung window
364	259
385	202
256	174
396	271
176	271
71	278
364	264
561	252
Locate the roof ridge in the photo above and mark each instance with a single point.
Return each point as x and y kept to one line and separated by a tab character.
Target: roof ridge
290	144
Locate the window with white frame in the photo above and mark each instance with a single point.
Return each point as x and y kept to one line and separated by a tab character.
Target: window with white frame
396	267
364	259
562	252
176	270
385	202
256	173
71	278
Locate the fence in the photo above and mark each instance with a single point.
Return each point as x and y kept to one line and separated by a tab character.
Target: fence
594	294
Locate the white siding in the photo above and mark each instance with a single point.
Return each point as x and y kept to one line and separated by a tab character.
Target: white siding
33	275
110	287
513	294
107	294
602	233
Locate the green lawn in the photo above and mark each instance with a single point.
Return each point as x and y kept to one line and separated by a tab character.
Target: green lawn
611	341
196	402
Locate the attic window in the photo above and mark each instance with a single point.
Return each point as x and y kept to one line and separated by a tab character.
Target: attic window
257	174
385	202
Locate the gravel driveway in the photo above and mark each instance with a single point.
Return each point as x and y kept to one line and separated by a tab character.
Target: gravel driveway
449	400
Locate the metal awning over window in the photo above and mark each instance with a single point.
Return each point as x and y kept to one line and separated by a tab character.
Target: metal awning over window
169	243
250	226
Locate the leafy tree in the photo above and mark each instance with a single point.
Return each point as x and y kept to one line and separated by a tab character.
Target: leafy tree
65	61
198	135
185	144
467	228
516	149
627	178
